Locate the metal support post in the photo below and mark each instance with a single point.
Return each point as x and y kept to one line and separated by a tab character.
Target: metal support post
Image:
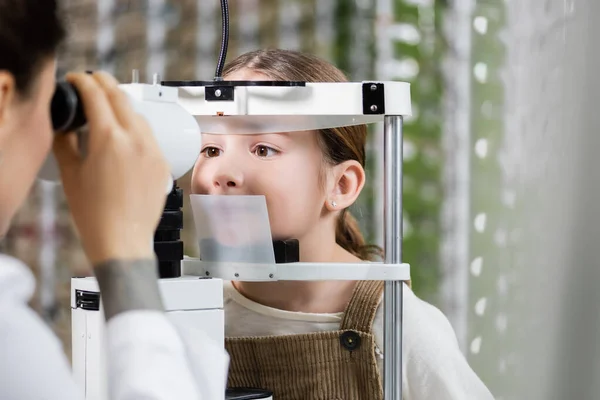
392	335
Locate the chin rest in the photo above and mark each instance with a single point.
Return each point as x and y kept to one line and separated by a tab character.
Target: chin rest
285	251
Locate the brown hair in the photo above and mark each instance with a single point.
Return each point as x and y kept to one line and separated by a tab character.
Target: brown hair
338	144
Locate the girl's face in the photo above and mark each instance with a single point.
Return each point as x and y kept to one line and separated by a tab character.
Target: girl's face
284	167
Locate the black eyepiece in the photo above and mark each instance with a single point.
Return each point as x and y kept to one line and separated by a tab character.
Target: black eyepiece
66	109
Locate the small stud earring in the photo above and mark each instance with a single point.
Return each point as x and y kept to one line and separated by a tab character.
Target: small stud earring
333	204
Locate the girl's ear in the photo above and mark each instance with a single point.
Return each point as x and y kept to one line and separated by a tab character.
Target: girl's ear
348	182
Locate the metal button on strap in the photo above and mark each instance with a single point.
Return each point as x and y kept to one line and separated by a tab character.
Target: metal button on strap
350	340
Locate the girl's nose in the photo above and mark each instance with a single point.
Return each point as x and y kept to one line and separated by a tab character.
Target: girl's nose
228	180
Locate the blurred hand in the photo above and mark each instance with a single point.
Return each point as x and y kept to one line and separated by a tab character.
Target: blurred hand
116	193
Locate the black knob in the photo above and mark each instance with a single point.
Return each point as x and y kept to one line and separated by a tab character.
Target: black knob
168	246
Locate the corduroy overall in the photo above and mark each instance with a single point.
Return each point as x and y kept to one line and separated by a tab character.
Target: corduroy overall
338	365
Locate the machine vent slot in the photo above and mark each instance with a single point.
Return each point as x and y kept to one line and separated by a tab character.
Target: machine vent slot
87	300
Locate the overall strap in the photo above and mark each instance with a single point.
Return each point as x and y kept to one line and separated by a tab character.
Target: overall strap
361	310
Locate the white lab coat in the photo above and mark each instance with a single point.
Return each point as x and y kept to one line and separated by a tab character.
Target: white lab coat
148	356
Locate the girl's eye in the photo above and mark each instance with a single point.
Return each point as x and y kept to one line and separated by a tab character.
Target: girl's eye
265	151
210	152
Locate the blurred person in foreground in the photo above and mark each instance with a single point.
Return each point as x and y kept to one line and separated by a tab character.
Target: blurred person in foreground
116	196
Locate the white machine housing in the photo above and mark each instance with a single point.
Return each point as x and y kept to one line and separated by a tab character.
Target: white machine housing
188	300
267	109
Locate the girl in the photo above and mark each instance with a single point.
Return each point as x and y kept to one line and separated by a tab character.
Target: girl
321	339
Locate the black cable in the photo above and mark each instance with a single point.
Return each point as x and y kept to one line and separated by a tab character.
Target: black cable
224	39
